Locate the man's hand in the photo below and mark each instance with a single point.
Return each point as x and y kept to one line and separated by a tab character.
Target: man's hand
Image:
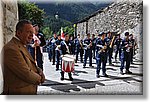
42	76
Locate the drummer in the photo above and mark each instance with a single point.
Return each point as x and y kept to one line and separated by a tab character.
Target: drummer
65	48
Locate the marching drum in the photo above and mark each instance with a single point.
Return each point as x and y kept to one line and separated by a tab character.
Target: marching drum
68	63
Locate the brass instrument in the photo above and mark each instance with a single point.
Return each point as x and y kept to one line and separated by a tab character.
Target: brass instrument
112	41
81	44
88	46
102	48
58	47
129	47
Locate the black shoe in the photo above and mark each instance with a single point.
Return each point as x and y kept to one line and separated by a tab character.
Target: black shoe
57	69
92	66
105	75
61	78
128	72
71	79
121	72
111	64
97	76
84	67
53	64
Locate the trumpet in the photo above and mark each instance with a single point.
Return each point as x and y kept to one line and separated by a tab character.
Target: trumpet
88	46
129	47
81	44
112	41
103	49
58	47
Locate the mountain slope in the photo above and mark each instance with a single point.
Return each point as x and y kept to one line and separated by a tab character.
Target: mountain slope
71	11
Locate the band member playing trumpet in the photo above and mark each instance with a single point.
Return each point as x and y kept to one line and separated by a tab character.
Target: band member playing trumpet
88	50
79	48
101	55
110	47
117	42
125	54
58	42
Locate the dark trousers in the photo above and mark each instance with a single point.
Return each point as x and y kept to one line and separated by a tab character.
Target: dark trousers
57	59
88	53
81	54
116	53
125	57
101	59
93	52
132	53
39	59
50	54
53	51
110	51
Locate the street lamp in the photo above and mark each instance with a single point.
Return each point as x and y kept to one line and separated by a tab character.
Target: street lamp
75	25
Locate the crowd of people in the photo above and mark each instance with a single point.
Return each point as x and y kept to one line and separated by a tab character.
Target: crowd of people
98	48
23	55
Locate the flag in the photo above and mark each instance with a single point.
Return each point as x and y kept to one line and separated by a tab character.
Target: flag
62	34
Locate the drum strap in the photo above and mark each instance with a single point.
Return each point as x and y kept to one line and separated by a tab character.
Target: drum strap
66	47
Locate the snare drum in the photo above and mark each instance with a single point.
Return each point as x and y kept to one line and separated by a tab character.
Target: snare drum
67	64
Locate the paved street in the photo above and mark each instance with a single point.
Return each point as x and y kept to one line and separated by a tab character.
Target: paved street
85	81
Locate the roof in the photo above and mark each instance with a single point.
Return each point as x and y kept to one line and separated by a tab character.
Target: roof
92	15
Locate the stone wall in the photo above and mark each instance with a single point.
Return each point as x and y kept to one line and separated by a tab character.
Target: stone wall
8	20
119	16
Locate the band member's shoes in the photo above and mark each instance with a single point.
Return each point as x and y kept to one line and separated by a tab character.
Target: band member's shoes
128	72
84	67
97	76
57	69
121	72
91	66
62	78
71	79
53	64
111	64
105	75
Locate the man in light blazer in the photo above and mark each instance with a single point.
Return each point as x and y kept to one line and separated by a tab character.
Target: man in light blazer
21	75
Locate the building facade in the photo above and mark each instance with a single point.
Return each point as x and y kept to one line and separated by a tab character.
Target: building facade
8	20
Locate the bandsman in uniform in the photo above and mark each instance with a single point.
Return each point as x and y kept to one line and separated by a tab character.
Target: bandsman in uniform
101	55
126	54
132	40
58	42
93	45
79	48
87	50
65	48
117	42
53	44
36	46
110	49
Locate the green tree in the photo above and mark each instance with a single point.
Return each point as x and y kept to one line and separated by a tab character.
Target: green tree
47	32
31	12
69	30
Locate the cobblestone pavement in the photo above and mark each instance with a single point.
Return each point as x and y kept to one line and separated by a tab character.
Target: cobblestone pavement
85	81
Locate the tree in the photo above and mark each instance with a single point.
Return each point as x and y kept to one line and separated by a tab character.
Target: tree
47	32
31	12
